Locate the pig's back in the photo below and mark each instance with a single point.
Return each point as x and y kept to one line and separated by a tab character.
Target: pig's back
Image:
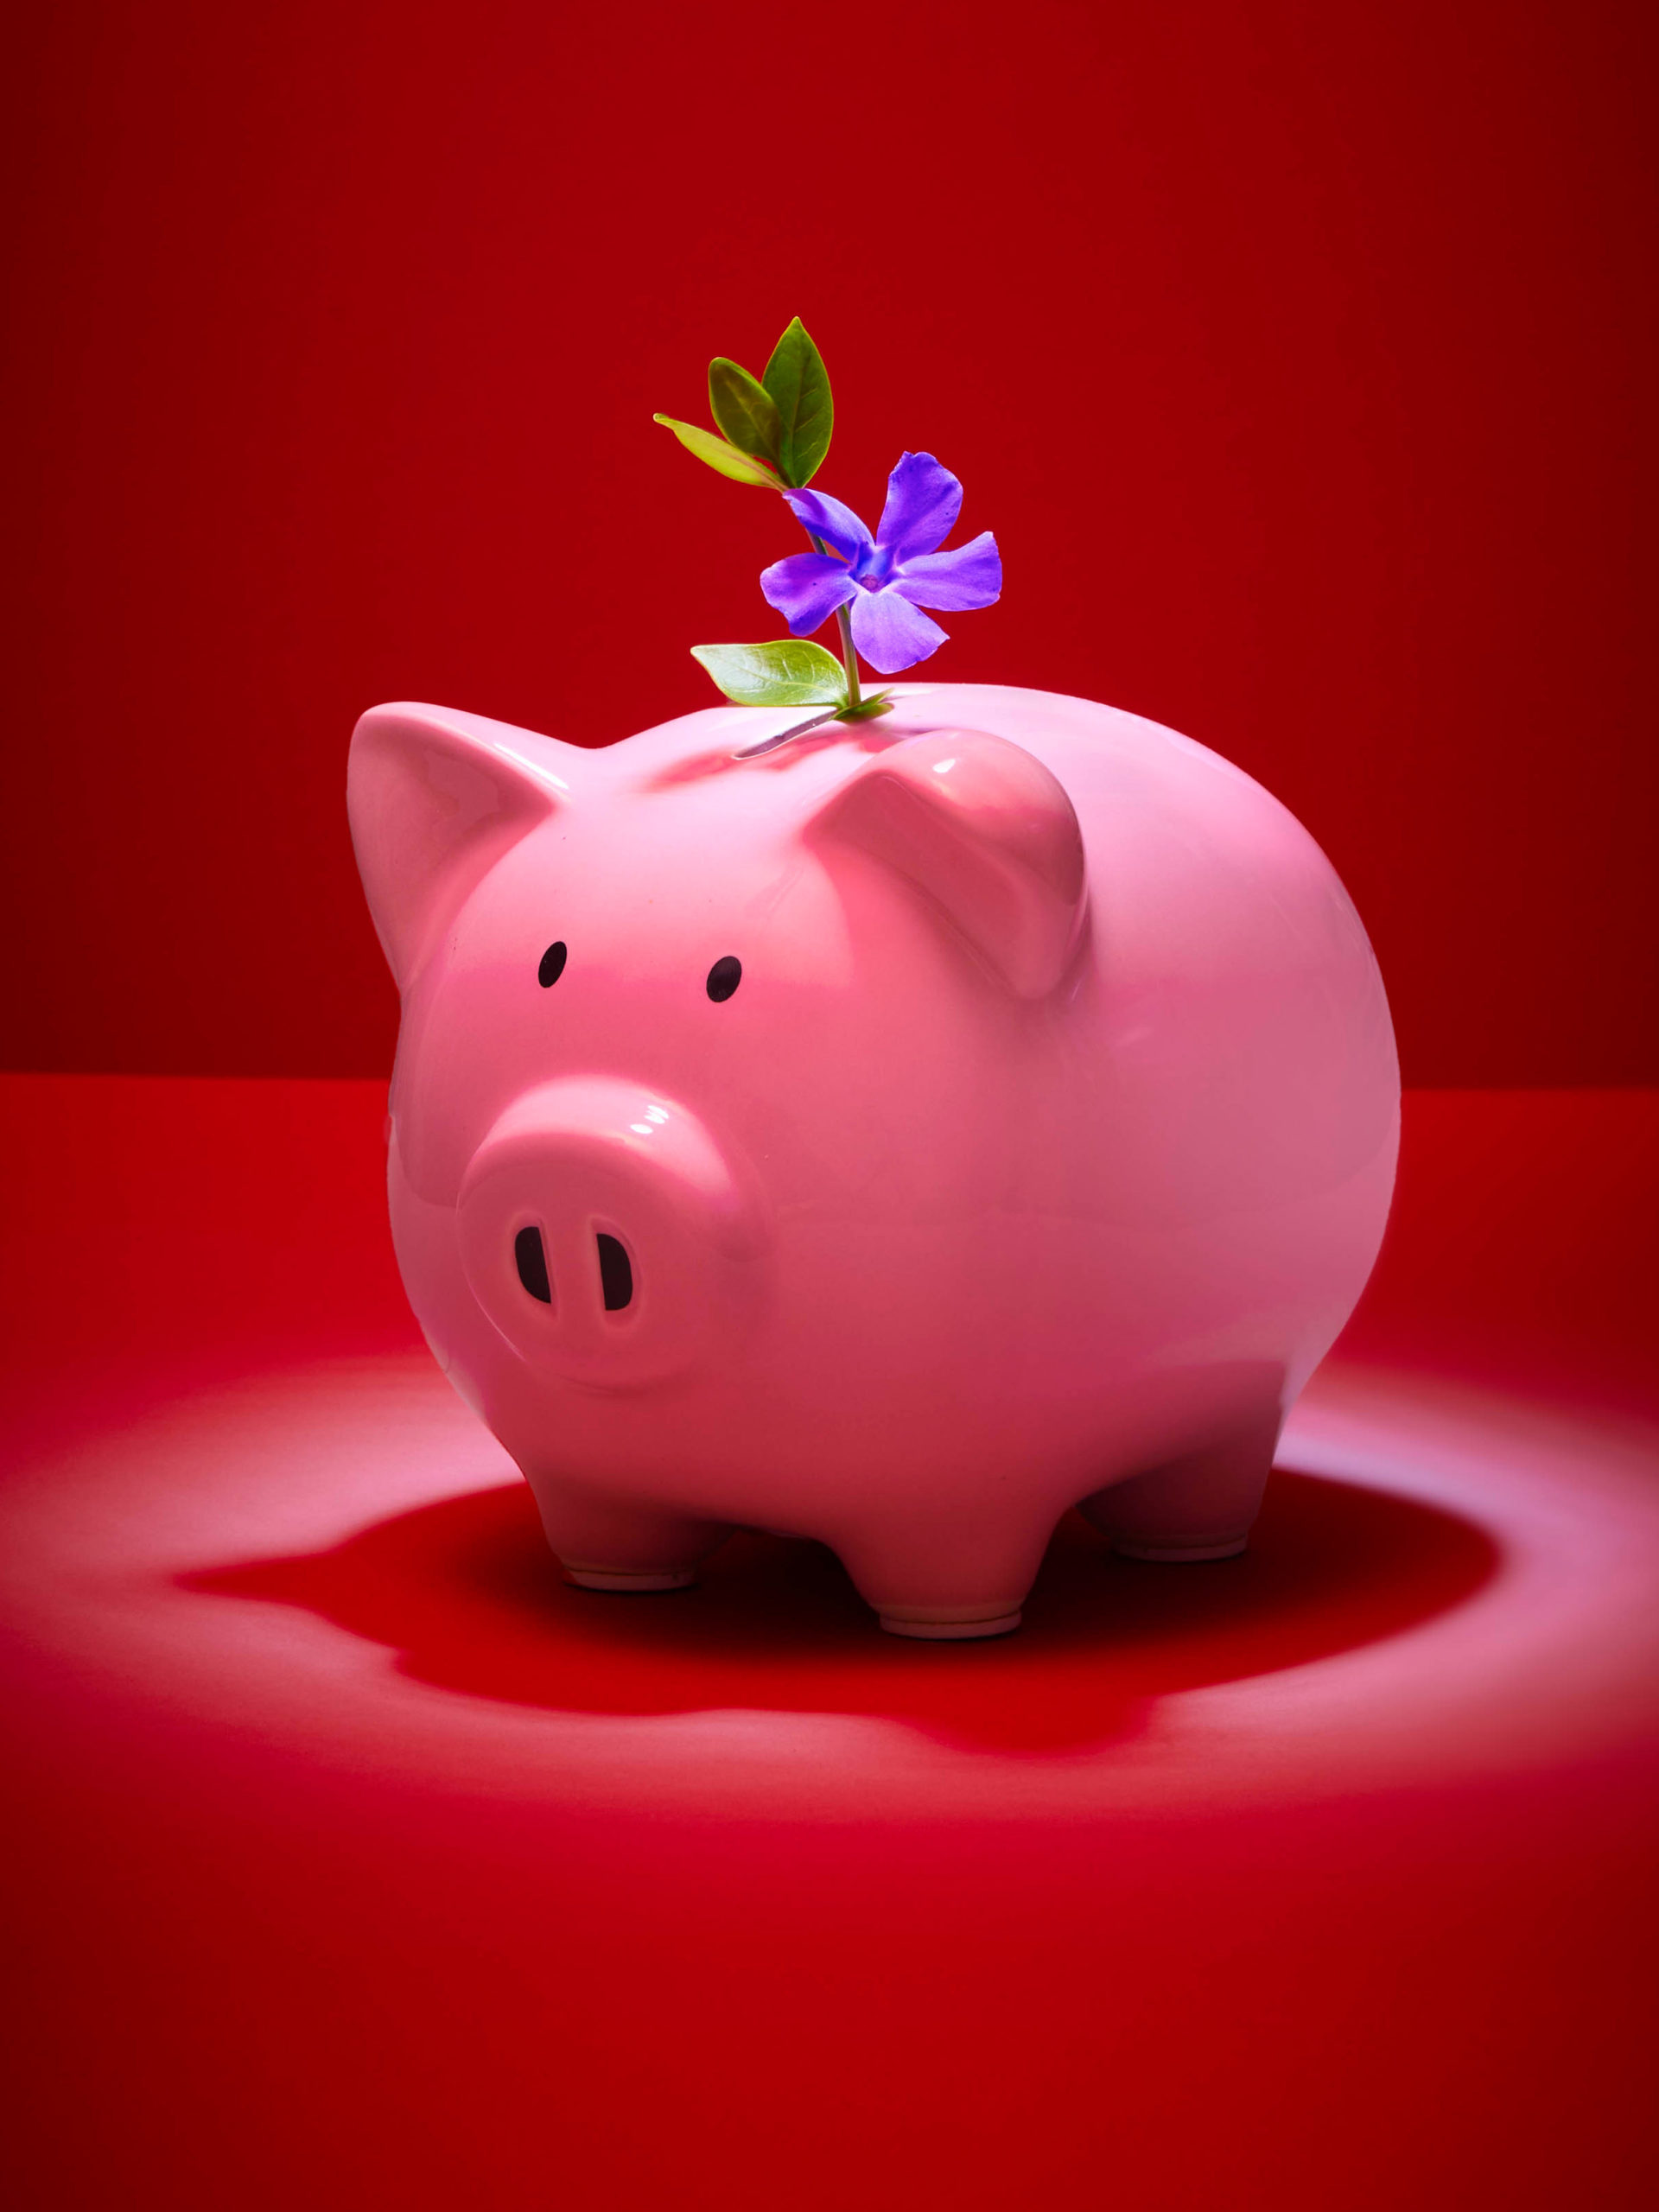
1227	1032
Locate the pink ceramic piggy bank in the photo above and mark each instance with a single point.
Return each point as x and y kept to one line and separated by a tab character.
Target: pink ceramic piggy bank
895	1140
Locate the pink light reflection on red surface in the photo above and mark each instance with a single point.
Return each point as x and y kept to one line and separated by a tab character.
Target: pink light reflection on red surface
1438	1583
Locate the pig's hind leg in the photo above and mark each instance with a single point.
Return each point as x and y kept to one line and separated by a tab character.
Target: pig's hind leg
1198	1507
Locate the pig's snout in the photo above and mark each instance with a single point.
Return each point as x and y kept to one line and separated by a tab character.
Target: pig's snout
615	1268
606	1234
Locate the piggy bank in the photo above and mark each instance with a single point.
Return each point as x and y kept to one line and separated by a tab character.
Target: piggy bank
895	1140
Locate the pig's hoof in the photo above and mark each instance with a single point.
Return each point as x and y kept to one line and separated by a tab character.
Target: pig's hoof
949	1625
634	1579
1175	1555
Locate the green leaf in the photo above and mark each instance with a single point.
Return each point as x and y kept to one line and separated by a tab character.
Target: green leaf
745	411
799	385
789	672
741	467
872	704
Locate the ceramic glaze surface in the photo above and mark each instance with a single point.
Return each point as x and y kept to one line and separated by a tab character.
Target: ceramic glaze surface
1040	1150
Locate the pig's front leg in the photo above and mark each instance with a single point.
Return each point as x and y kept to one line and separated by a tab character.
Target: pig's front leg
1199	1506
605	1544
958	1573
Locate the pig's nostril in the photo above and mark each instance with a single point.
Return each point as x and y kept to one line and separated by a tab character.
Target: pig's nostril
615	1276
531	1255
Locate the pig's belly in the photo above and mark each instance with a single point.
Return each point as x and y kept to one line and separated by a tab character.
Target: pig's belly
1045	1356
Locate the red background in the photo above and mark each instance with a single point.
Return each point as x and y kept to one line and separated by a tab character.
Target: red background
1299	357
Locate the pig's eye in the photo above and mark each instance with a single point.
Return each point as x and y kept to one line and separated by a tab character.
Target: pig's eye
724	977
552	966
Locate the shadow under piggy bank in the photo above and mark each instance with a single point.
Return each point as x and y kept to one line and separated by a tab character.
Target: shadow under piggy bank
467	1594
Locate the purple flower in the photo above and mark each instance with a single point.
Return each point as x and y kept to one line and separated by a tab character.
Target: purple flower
889	578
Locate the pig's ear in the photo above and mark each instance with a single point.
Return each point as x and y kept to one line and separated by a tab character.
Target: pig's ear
435	797
981	826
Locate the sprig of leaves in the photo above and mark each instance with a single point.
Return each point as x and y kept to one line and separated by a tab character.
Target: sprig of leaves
776	427
775	431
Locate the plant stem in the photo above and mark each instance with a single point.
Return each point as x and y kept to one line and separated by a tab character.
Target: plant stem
844	621
770	744
848	654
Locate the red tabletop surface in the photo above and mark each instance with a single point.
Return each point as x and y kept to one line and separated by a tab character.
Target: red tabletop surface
355	1860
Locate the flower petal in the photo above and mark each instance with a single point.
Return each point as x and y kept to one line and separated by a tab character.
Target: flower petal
806	589
827	519
923	503
890	632
968	575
